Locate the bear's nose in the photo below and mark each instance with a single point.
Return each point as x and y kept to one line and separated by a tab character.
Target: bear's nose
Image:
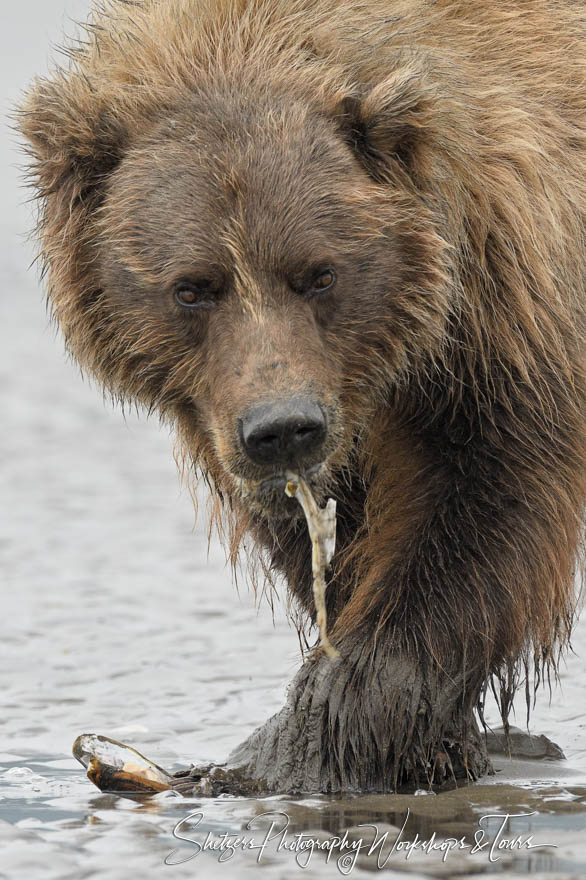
284	432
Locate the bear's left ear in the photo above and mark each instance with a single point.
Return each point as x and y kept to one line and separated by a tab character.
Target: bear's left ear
390	127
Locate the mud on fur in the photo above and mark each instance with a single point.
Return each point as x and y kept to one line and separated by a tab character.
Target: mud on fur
379	206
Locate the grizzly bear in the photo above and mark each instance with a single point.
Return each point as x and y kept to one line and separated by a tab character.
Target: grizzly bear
347	239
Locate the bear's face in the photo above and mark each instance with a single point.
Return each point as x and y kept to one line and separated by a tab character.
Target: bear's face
260	267
261	284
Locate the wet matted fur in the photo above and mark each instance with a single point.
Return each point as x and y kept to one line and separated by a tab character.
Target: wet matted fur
432	154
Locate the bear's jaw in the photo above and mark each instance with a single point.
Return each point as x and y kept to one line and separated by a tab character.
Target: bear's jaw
267	497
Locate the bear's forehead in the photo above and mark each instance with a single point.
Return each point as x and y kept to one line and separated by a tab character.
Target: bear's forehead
244	154
255	187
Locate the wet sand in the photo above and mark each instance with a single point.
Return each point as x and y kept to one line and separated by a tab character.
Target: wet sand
116	621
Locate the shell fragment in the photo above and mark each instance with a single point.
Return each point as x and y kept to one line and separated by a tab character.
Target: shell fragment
113	766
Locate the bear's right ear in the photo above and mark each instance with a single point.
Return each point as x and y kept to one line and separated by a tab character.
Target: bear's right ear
390	127
74	138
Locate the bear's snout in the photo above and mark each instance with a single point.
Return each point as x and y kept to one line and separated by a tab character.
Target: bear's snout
289	432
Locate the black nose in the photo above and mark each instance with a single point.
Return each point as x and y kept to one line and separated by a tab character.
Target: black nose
284	432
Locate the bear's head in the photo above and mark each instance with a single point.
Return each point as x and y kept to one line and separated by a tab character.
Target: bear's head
260	264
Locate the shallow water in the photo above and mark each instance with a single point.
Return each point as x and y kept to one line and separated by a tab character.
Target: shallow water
116	621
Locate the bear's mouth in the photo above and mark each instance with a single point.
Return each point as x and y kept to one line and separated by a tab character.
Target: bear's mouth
267	496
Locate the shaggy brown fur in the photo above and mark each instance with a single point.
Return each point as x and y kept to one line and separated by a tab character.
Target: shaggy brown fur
433	155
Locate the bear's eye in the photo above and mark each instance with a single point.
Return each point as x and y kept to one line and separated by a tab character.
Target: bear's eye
322	281
195	294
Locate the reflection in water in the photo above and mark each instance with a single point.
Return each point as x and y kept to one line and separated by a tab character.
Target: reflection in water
479	828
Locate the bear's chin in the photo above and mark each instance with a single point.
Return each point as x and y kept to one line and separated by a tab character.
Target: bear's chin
267	498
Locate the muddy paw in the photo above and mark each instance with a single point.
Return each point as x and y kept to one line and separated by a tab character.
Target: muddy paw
194	781
213	780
